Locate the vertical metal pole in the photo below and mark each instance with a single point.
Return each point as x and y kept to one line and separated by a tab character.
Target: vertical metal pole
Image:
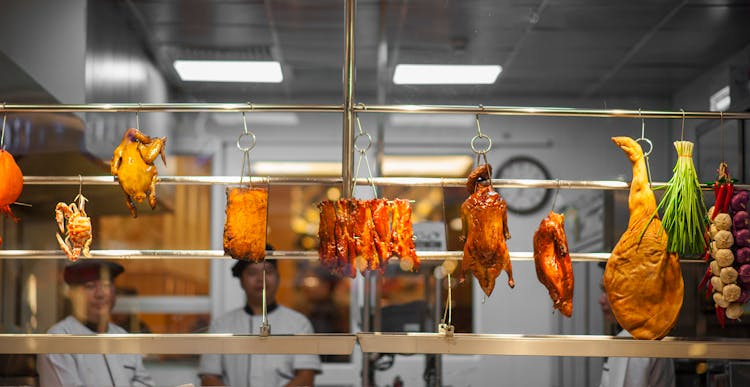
347	156
347	161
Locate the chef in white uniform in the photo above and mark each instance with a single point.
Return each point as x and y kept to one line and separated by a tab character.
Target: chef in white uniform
259	370
92	294
633	371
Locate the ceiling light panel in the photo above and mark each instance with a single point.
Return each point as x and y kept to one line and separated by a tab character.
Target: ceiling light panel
412	74
229	71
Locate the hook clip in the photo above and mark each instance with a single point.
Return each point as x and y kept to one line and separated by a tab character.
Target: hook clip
480	136
244	134
643	135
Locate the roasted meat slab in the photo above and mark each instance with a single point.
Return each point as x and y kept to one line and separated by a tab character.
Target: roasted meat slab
643	281
245	227
554	268
485	226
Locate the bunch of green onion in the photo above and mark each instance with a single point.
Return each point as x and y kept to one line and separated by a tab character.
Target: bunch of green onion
684	210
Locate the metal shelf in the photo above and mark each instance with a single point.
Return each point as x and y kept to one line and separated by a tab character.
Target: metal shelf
553	345
323	344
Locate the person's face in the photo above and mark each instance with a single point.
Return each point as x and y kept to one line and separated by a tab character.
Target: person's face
252	282
93	300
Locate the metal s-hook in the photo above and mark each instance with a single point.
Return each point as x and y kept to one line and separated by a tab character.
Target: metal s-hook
246	133
479	136
643	136
682	130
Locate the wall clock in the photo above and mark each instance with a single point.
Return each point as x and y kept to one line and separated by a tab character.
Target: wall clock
524	201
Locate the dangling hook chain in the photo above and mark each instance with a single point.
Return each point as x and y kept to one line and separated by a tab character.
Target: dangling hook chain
480	152
647	141
2	136
265	327
363	155
445	327
246	149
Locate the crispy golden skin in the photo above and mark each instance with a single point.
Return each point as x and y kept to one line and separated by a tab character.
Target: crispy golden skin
554	268
133	164
245	227
643	281
484	217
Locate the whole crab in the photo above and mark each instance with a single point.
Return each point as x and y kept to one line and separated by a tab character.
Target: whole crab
78	237
133	164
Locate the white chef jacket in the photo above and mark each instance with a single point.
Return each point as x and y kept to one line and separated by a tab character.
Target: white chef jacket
259	370
94	370
637	371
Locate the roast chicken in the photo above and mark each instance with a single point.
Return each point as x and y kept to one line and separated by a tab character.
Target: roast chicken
484	218
552	260
133	164
642	280
245	227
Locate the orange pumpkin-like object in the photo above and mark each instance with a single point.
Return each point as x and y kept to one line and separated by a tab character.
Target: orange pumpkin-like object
11	181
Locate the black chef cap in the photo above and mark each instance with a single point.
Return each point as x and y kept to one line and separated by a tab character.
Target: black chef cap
91	270
240	266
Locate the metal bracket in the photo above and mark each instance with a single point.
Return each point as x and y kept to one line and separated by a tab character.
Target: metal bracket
446	330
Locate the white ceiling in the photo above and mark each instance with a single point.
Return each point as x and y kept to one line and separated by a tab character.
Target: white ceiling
548	48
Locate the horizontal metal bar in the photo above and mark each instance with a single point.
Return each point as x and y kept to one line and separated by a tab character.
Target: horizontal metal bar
379	181
167	107
323	344
432	109
544	111
183	180
163	304
553	345
275	254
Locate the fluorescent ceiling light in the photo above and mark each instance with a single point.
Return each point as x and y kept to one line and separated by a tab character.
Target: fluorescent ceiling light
410	74
427	166
720	100
229	71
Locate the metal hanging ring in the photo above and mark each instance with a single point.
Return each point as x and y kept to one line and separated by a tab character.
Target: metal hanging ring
249	147
650	145
474	145
369	142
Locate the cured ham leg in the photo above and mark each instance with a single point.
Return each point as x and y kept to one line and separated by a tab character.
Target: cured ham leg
485	226
245	227
643	281
554	268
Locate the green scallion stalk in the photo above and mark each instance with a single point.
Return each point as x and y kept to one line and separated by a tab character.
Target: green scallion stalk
684	218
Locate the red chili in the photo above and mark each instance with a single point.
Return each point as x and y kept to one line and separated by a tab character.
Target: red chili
720	199
728	198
